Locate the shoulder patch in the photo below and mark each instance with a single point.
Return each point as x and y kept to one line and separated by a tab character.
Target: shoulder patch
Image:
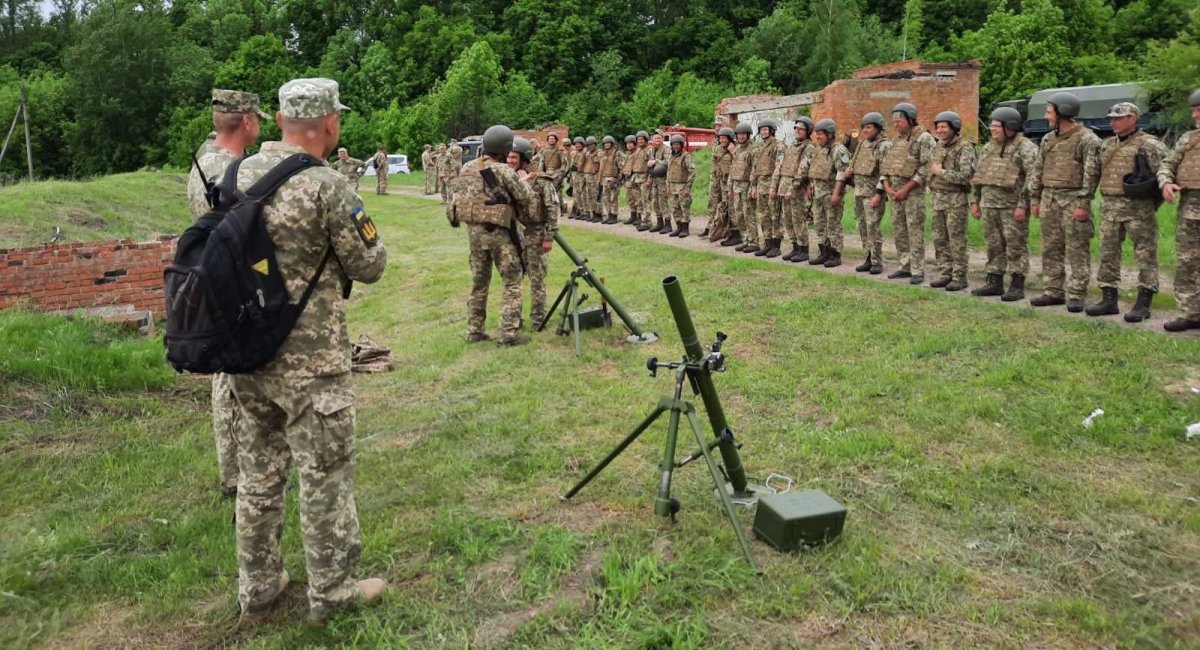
365	227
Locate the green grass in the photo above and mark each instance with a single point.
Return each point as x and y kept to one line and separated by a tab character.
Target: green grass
982	514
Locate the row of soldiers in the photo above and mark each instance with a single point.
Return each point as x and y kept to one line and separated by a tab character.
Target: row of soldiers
441	166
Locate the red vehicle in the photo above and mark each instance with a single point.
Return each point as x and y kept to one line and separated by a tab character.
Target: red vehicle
693	138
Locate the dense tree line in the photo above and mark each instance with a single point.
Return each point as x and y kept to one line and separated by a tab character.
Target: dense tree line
117	84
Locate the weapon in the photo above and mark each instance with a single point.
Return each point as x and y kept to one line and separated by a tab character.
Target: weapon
497	195
563	179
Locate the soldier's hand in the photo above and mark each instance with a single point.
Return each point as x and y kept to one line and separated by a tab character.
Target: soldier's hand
876	201
547	245
808	193
848	173
1081	213
1037	210
836	199
1019	214
753	195
774	195
1169	192
788	195
900	194
975	210
936	169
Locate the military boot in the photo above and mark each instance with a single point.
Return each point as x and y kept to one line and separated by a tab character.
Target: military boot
801	254
657	227
1074	305
1141	308
865	266
703	233
792	253
993	285
956	285
734	238
644	225
822	256
666	227
766	247
1108	303
1047	300
612	220
597	217
774	251
941	282
835	258
1181	324
632	220
259	614
681	231
899	274
1016	289
514	340
750	247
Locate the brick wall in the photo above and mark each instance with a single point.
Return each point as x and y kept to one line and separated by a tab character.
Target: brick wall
57	277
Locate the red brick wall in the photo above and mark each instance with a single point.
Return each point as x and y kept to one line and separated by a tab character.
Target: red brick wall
94	274
847	100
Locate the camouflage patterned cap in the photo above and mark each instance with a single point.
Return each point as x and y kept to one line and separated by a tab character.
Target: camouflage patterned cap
1124	109
236	101
306	99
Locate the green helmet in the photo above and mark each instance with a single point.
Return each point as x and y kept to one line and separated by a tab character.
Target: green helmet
951	118
677	139
770	124
806	123
643	135
743	127
590	141
659	170
1065	104
907	110
630	138
578	139
497	140
523	147
727	132
873	118
1008	117
827	125
608	139
1195	99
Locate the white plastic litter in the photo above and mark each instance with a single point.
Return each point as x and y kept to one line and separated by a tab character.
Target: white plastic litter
1193	430
1087	422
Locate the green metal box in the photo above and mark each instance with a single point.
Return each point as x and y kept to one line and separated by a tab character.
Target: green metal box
793	520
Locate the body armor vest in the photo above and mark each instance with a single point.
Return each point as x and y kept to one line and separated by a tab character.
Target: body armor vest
722	159
821	168
629	163
639	160
947	156
591	162
866	158
791	161
470	192
608	164
1060	169
901	160
996	169
552	159
1187	175
676	170
1119	162
739	167
764	164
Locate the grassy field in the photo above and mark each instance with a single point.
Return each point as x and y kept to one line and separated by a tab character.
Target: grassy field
982	514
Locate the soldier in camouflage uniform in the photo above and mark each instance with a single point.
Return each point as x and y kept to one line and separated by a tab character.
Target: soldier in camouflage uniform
381	171
1070	173
658	153
719	225
681	174
949	185
237	118
826	169
1002	188
439	155
790	186
1179	178
575	163
451	163
1122	214
493	235
640	182
628	162
741	206
869	198
429	169
299	407
349	167
765	156
905	173
550	162
609	179
541	224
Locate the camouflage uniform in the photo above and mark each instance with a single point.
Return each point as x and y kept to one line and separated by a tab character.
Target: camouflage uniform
865	163
430	170
628	163
658	186
300	406
825	168
539	229
551	162
1069	175
350	168
639	184
381	172
1182	167
488	227
681	173
611	161
790	183
719	224
764	158
741	206
948	192
449	171
1005	179
908	160
1121	216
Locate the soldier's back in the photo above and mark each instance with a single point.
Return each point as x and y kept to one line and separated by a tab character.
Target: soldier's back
213	160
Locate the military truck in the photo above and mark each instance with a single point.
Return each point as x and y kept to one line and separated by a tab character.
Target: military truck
1094	103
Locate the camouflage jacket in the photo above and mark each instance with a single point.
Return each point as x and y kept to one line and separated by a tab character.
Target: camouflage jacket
544	194
1188	143
381	163
213	161
351	168
1024	155
1087	153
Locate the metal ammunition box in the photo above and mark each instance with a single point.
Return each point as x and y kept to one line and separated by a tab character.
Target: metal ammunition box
793	520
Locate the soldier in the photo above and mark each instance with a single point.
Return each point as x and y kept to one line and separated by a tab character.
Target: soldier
719	225
1070	173
741	206
641	181
451	163
628	162
657	153
1002	187
1179	177
791	186
299	407
869	196
905	170
237	119
609	178
429	169
439	159
949	185
826	171
764	157
577	181
591	180
381	171
681	173
540	227
349	167
491	218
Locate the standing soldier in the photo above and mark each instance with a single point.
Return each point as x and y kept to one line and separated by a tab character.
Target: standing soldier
349	167
429	169
439	157
641	180
1179	177
540	227
550	163
741	206
905	171
790	185
628	163
381	170
237	119
590	207
719	225
490	212
299	407
826	171
611	161
1070	173
681	173
657	153
1001	190
1122	212
575	159
764	157
869	197
451	164
949	185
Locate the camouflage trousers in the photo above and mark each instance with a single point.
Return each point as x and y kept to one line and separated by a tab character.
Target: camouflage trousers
445	189
536	263
870	221
1137	219
585	196
681	202
949	217
1187	247
741	211
310	423
430	182
658	197
1007	241
827	217
612	192
492	246
633	194
768	215
793	214
1064	237
381	184
224	419
354	181
718	209
908	230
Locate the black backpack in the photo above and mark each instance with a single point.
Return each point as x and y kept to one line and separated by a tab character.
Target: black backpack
227	304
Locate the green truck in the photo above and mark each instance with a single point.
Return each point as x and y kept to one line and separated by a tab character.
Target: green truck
1095	101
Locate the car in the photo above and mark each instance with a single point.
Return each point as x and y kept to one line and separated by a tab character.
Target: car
397	164
470	148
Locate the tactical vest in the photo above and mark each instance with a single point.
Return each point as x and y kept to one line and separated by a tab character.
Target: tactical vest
997	165
1187	175
1060	169
791	161
1119	162
552	159
947	158
470	194
639	160
721	161
676	170
866	158
591	162
608	164
630	161
739	168
537	208
764	163
822	168
901	159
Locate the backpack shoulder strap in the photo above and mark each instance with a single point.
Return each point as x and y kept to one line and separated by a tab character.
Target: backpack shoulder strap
279	174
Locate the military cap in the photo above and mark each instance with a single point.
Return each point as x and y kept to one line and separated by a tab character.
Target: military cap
306	99
1124	109
236	101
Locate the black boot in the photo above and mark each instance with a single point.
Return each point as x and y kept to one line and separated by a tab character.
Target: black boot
632	220
1047	300
766	247
773	247
657	227
681	229
750	247
1108	304
703	233
801	254
734	238
612	220
941	282
835	258
822	256
899	274
992	286
1016	289
865	266
1141	308
792	253
956	285
644	226
1075	305
1181	324
665	227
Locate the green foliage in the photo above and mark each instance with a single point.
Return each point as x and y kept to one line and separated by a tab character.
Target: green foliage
473	78
49	112
261	65
1174	68
1025	51
752	77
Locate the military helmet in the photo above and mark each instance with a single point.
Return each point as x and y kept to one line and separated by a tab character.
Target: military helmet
590	141
951	117
659	170
907	109
1065	104
727	132
873	118
1195	99
630	138
827	125
677	139
608	139
770	124
1008	117
743	127
806	123
497	140
578	139
645	136
523	147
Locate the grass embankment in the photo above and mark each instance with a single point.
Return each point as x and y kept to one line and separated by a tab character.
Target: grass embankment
982	514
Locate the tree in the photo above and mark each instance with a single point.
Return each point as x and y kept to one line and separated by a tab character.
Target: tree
472	79
831	28
774	39
261	65
49	111
1174	68
753	77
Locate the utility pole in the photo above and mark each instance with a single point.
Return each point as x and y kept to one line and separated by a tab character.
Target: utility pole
28	140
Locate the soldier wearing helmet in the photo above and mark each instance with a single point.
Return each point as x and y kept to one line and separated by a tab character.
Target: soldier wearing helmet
1179	178
427	166
491	218
451	163
575	165
589	168
681	173
741	208
790	185
905	172
439	158
1001	189
639	182
609	179
540	225
765	156
656	196
869	198
826	172
551	163
949	186
627	164
718	227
